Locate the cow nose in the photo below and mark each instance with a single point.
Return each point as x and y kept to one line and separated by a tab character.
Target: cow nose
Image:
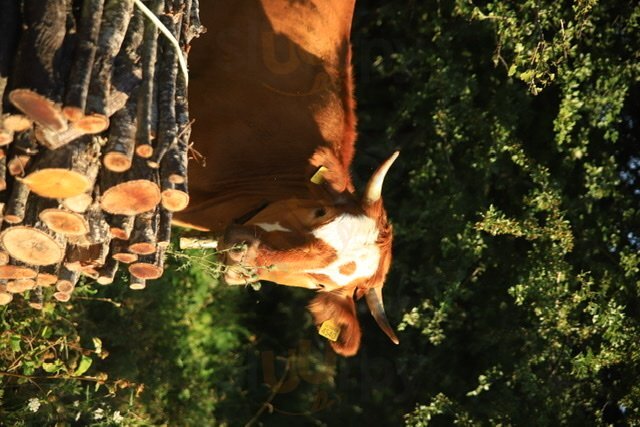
238	274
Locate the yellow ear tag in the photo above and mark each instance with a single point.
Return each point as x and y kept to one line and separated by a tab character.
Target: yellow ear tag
329	330
318	177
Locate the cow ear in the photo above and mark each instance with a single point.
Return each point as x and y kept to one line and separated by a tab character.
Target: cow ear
341	310
333	176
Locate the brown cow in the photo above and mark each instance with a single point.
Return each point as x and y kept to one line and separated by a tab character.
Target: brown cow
271	91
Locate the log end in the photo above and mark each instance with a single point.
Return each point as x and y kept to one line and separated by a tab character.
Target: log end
19	286
142	248
175	200
131	197
46	279
119	233
13	219
16	122
79	203
16	272
92	123
116	161
176	178
31	246
5	298
57	183
62	297
138	286
146	271
39	109
125	257
64	222
144	150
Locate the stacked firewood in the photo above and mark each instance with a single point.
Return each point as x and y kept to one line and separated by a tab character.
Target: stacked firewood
94	131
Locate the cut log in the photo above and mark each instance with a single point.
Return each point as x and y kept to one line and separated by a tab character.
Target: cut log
163	238
66	172
173	169
136	283
107	273
149	267
9	33
79	256
167	74
85	53
3	173
67	280
125	257
42	42
119	150
92	123
13	272
119	250
64	222
131	197
116	15
31	245
15	209
143	236
145	117
120	226
98	227
175	199
62	297
46	279
79	203
145	270
16	122
38	108
5	297
4	258
19	286
54	140
91	272
198	243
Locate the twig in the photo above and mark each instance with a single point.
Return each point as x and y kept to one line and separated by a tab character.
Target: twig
168	35
274	391
109	300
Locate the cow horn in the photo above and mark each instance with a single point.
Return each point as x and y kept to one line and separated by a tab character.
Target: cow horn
374	301
374	186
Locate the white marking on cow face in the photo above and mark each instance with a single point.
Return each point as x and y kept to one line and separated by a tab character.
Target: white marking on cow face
354	239
268	227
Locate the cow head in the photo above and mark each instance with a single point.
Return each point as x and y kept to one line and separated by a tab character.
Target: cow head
334	242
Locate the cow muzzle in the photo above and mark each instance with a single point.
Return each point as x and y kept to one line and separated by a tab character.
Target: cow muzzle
240	250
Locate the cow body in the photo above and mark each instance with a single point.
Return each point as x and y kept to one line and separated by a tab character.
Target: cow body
271	93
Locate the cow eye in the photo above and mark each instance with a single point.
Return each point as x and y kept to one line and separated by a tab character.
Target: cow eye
320	285
320	212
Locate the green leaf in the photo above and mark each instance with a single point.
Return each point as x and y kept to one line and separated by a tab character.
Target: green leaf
52	367
15	343
85	364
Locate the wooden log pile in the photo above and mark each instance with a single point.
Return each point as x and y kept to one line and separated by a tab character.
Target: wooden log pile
94	131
